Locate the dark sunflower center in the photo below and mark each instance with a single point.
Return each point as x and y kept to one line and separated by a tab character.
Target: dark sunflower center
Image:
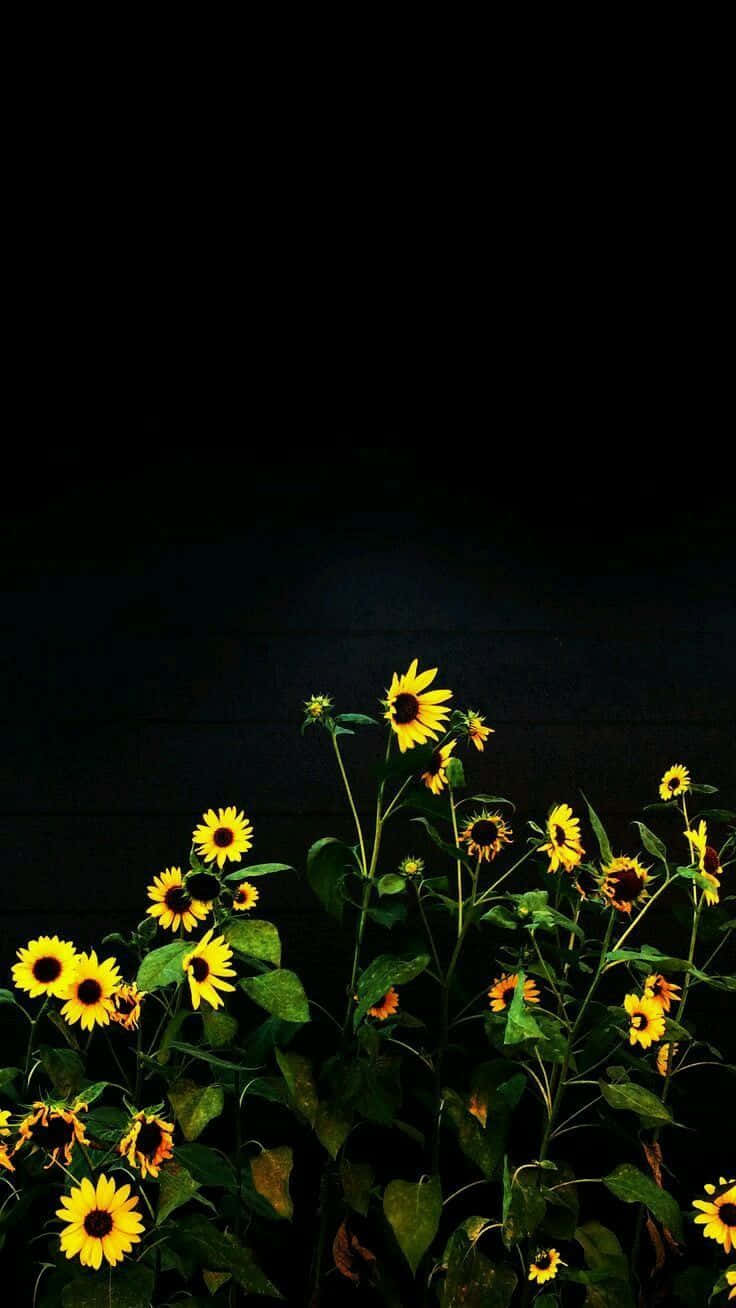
54	1136
628	884
406	708
484	832
124	1005
560	836
727	1214
203	885
177	899
89	991
149	1139
710	859
46	969
241	894
507	995
98	1224
640	1021
542	1261
223	837
435	763
200	968
657	987
673	783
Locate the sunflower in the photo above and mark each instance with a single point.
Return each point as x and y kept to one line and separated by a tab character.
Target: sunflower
676	781
709	861
127	1001
486	834
731	1280
5	1158
502	991
226	834
101	1221
386	1006
718	1214
245	897
411	866
624	882
478	1107
545	1265
45	966
662	991
564	848
646	1020
587	882
205	966
316	706
414	712
55	1128
4	1119
5	1130
172	903
435	778
663	1058
203	886
89	993
475	730
148	1143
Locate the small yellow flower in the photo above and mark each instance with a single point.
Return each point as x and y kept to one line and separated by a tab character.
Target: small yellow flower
624	883
731	1280
317	705
127	1000
663	1058
662	991
5	1158
718	1214
5	1130
206	966
502	992
4	1119
89	993
101	1222
54	1128
545	1265
45	966
435	777
226	834
475	730
486	834
647	1021
564	847
415	713
411	866
386	1006
676	781
245	897
172	904
148	1143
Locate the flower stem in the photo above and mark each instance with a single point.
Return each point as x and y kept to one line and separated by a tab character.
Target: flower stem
351	802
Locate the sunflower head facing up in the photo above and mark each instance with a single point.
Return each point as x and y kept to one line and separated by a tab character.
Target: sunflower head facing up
317	707
662	991
545	1265
206	967
676	781
435	777
486	834
127	1000
147	1144
646	1020
386	1006
246	896
55	1128
101	1222
46	966
411	866
415	713
718	1212
665	1059
475	730
226	834
624	883
89	993
564	846
173	904
501	992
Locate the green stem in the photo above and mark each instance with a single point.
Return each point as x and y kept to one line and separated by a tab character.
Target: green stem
351	801
31	1036
459	867
366	899
428	930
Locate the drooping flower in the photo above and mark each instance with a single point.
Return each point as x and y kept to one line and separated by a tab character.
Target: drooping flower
501	992
89	993
545	1265
386	1006
127	999
101	1222
223	835
676	781
54	1128
203	886
206	966
5	1130
646	1020
435	777
475	730
662	991
564	847
173	904
709	862
4	1119
663	1058
5	1158
246	896
45	966
411	866
624	883
148	1142
718	1214
486	834
415	713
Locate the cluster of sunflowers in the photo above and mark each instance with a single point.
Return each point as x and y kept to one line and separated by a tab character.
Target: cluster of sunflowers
487	1080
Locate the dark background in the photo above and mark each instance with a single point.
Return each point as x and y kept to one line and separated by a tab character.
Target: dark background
167	610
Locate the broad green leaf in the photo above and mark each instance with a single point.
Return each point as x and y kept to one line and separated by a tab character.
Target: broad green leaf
195	1105
520	1025
484	1146
297	1073
213	1280
7	997
652	843
7	1076
129	1286
220	1028
270	1171
387	915
637	1100
106	1124
413	1213
176	1187
357	1179
281	993
547	919
328	861
634	1187
162	966
206	1165
455	772
255	937
385	971
220	1252
331	1127
452	851
257	870
472	1280
391	884
530	902
500	917
525	1206
355	719
171	1031
606	1259
88	1094
205	1056
64	1069
600	833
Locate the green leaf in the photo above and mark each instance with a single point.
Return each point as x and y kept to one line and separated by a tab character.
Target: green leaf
412	763
609	1264
195	1105
220	1028
176	1187
652	843
500	917
547	919
520	1025
7	1076
387	915
206	1165
472	1280
355	719
65	1030
64	1069
328	861
635	1099
204	1055
257	870
525	1207
219	1252
171	1031
88	1094
600	832
413	1213
391	884
281	993
270	1171
297	1073
357	1179
385	971
453	851
483	1146
162	966
256	938
634	1187
455	772
7	997
331	1127
130	1286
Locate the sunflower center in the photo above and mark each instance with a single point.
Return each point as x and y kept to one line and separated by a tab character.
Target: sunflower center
640	1021
223	837
56	1135
149	1139
542	1261
673	783
98	1224
435	763
200	968
727	1214
710	859
657	987
203	885
484	832
177	899
507	995
124	1005
46	969
406	708
628	884
89	991
560	835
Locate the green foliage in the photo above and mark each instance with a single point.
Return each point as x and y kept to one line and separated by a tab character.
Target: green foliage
195	1105
472	1280
384	972
256	939
281	993
163	966
413	1212
328	863
633	1186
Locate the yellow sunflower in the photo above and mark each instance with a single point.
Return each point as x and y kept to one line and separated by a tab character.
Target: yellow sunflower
206	966
316	706
545	1265
101	1222
386	1006
5	1158
663	1058
415	713
148	1143
646	1020
226	834
172	903
475	730
89	992
502	991
411	866
718	1214
435	777
709	862
54	1128
676	781
731	1280
662	991
486	834
127	1005
564	847
4	1119
624	883
45	966
246	896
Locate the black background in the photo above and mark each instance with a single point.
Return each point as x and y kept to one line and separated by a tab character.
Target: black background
167	610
